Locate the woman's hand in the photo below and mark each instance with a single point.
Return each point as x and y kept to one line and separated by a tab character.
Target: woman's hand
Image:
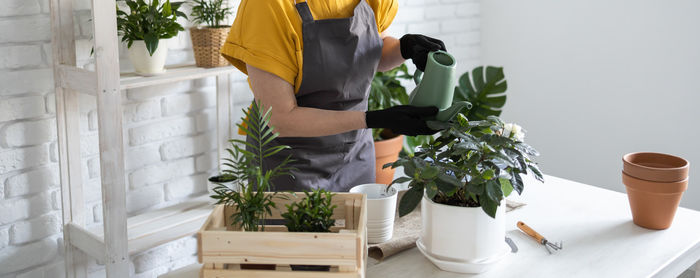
417	47
403	119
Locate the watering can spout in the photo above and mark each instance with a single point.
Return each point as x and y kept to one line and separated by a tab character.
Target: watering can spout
436	86
456	108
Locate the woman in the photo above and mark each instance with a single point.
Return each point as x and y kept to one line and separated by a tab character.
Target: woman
312	64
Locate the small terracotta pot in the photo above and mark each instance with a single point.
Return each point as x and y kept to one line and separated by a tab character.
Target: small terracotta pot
653	204
386	151
657	167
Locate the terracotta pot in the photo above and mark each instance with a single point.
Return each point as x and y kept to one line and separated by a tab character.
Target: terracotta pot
653	204
386	151
657	167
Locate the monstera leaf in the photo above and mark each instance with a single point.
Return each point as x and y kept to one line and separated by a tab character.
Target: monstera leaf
485	90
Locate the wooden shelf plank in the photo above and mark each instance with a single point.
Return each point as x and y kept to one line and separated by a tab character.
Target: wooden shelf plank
172	74
159	226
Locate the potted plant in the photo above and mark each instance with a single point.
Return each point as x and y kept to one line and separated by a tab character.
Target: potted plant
461	179
386	91
210	36
247	186
313	214
145	27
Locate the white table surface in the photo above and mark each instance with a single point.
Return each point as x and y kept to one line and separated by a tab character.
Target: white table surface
596	227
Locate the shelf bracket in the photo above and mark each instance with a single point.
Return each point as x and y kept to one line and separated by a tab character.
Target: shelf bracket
87	241
77	79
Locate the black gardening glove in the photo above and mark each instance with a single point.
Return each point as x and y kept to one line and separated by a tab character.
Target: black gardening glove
417	47
402	119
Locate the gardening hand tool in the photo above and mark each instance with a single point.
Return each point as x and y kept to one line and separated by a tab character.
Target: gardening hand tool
547	244
513	247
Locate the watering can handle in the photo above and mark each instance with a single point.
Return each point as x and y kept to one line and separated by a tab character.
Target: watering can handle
417	76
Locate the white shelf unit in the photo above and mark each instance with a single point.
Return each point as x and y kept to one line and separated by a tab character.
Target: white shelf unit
120	236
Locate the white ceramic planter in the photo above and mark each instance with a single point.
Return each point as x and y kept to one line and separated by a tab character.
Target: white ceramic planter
145	64
462	239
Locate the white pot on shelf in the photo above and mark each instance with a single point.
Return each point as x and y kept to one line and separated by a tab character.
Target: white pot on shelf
462	239
146	64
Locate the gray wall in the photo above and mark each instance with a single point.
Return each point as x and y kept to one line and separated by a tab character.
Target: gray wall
593	80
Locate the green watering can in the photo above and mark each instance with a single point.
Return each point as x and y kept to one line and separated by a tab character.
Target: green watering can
438	86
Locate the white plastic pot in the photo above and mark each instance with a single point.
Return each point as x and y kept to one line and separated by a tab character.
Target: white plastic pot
462	239
143	62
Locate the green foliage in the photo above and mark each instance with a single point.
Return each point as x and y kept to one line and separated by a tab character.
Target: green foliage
485	90
210	12
314	213
149	22
471	163
244	170
386	91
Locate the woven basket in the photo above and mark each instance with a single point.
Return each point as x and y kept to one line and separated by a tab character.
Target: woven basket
207	43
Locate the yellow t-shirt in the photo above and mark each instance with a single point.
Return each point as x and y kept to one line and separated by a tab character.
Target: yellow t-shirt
267	33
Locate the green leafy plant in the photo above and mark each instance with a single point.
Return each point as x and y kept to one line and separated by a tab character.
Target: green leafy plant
386	91
149	22
485	90
471	164
314	213
244	169
210	12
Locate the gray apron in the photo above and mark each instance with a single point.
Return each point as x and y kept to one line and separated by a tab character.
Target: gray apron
340	59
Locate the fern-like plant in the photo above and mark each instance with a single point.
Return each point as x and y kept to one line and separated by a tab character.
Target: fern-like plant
244	170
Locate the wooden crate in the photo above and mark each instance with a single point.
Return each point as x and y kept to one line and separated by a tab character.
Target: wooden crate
223	248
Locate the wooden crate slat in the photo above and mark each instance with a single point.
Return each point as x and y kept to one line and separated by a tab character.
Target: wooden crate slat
225	273
325	248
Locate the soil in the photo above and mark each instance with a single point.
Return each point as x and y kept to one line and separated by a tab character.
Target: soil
457	200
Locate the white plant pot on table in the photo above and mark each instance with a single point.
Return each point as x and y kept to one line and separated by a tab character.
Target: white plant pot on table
462	239
146	64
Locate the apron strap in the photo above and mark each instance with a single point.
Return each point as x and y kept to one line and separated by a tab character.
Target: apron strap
304	12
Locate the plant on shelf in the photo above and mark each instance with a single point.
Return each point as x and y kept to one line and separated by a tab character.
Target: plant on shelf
244	171
461	178
314	214
144	27
210	34
486	93
387	91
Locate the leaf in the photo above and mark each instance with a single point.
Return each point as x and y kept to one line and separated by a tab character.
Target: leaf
429	173
506	186
167	11
485	89
151	41
536	171
400	180
517	182
431	189
493	190
489	206
410	201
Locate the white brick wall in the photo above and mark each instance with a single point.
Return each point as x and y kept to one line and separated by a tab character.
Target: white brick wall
169	132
